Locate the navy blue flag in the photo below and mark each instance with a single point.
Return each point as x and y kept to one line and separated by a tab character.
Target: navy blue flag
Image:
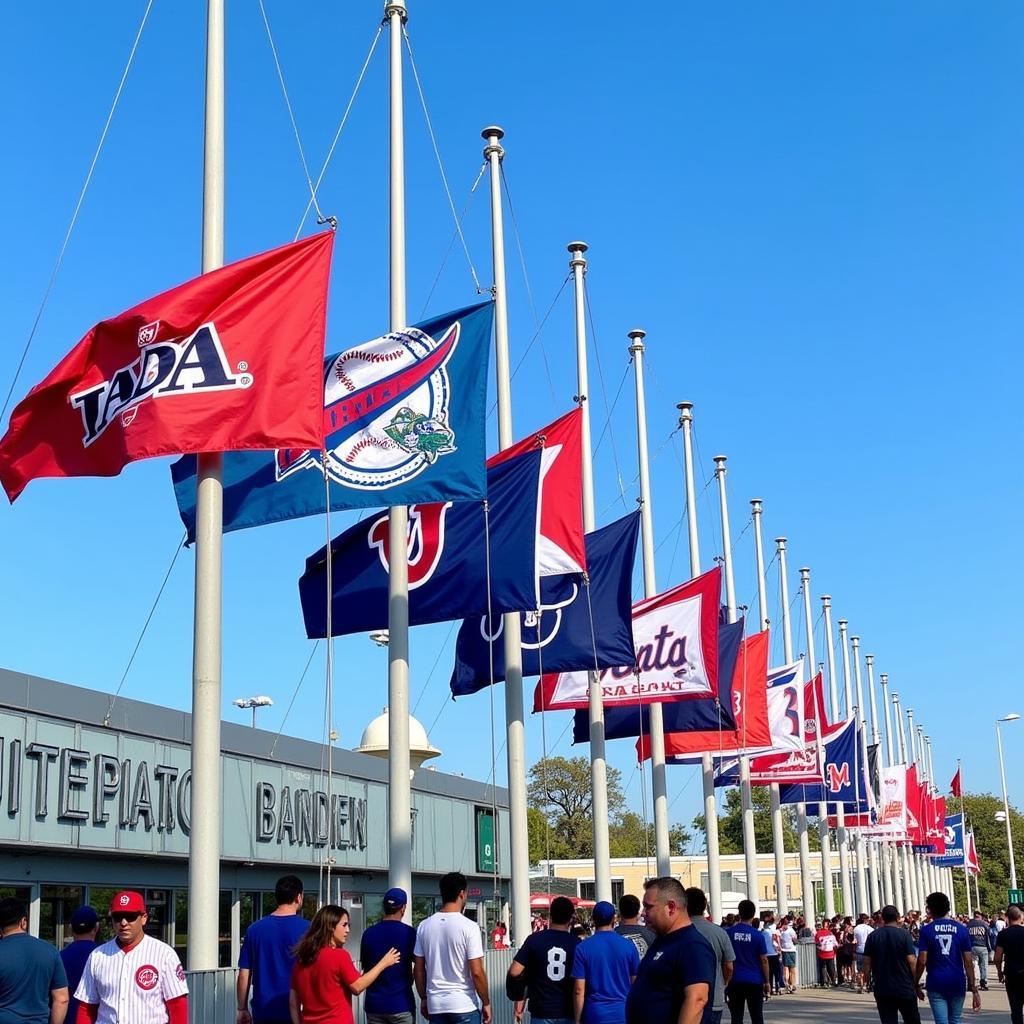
954	855
698	714
448	563
563	638
841	763
403	424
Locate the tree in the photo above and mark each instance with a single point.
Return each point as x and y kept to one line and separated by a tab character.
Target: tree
993	855
730	824
560	819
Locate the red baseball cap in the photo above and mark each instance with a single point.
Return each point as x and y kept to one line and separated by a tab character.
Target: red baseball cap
128	902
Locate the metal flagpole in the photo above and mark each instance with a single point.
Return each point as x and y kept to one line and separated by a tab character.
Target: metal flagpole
515	748
874	890
906	853
746	799
925	860
860	892
828	892
778	831
204	837
898	890
399	795
963	839
938	874
707	767
806	884
659	783
922	881
881	845
933	881
844	852
598	762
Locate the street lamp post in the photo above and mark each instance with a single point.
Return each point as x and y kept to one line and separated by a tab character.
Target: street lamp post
260	701
1012	717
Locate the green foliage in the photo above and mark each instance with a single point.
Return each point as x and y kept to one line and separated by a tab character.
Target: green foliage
993	855
560	820
730	823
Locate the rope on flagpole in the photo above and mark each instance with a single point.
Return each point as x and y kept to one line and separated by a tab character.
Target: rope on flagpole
295	693
490	698
329	679
340	129
74	215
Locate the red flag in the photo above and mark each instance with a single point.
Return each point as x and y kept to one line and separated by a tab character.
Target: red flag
972	855
954	786
231	360
750	709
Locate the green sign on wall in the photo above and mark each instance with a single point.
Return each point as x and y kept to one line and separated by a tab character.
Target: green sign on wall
486	854
1016	896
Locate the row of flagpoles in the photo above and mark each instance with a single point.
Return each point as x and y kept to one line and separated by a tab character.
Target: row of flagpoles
673	672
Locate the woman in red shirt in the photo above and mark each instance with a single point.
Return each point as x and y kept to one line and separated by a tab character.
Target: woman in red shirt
324	978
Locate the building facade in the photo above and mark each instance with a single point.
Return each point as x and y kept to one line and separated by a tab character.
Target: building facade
95	796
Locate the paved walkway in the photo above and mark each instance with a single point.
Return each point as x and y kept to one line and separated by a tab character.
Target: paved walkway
841	1006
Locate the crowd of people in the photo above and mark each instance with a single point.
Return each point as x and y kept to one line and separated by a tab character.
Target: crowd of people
656	961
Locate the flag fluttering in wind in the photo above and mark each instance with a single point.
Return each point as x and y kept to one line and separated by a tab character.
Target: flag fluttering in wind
403	422
450	573
230	360
954	786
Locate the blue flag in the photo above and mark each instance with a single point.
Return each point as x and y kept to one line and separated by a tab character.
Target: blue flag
954	855
694	715
404	422
563	638
448	559
842	761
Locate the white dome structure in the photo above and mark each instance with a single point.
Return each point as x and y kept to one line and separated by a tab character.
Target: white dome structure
375	741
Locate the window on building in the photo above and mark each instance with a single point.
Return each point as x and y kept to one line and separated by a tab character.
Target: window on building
56	905
588	890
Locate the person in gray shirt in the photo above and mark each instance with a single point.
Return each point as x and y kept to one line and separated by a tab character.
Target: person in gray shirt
725	955
629	926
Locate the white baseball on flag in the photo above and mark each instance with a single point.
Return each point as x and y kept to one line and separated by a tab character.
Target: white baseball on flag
891	821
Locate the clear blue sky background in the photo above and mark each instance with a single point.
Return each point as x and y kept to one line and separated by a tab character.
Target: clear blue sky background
815	210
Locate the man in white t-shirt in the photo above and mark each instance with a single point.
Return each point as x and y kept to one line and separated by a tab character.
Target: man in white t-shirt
449	961
861	933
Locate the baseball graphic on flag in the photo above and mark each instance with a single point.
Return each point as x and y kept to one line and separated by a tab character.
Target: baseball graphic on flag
385	410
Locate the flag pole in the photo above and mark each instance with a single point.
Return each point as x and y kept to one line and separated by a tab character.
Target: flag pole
707	767
857	867
963	838
885	876
929	878
778	831
890	760
833	689
399	795
906	853
932	872
746	798
598	757
916	856
806	885
870	883
659	780
515	720
204	835
825	841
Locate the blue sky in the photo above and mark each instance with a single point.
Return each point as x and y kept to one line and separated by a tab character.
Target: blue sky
813	209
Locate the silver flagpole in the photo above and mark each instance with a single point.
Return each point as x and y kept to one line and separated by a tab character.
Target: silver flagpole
204	837
515	747
707	767
963	842
399	794
885	876
746	798
827	889
806	883
898	898
929	870
920	881
833	689
659	782
860	892
872	888
906	853
598	762
778	830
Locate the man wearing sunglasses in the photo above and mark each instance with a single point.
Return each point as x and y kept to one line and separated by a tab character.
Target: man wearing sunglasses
134	978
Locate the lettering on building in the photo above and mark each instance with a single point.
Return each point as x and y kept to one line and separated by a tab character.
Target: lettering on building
306	817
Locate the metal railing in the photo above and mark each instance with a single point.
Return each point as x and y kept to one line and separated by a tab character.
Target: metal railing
211	996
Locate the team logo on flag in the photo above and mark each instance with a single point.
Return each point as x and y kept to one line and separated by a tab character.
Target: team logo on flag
146	977
838	776
425	543
385	411
195	364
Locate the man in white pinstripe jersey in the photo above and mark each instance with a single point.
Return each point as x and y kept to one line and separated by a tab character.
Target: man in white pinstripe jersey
134	978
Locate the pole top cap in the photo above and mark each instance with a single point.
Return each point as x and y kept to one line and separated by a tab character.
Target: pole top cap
843	623
722	459
573	246
869	658
637	334
781	541
684	407
755	502
855	640
805	570
494	130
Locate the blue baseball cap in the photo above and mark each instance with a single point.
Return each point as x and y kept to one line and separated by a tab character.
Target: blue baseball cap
84	919
395	898
603	913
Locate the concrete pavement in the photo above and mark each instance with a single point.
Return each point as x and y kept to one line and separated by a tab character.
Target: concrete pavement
841	1006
